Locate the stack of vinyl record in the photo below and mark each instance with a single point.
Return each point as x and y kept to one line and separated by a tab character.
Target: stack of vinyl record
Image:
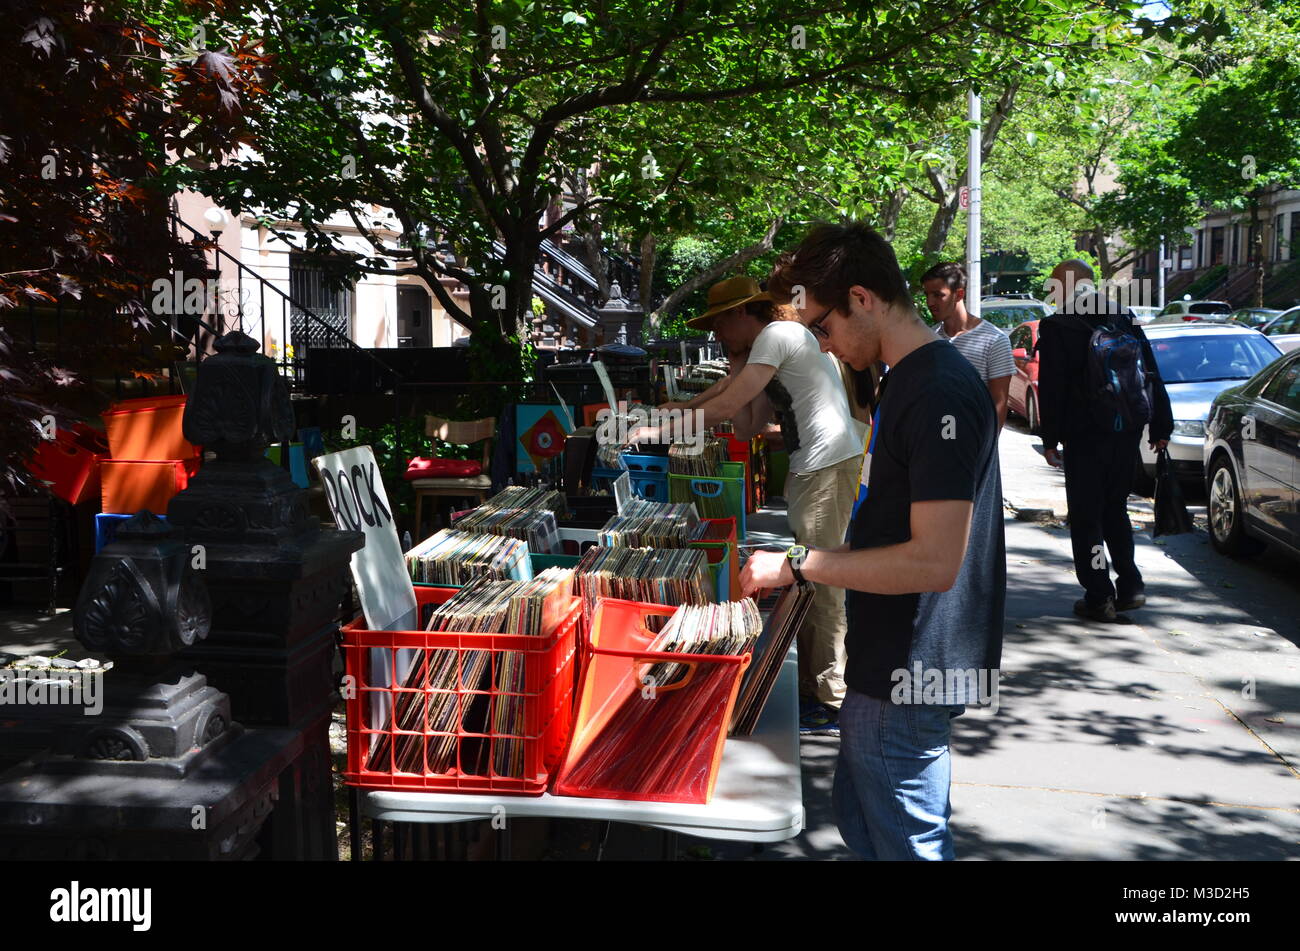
456	558
446	677
653	576
697	459
644	524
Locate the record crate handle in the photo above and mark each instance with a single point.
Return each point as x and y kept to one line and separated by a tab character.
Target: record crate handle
690	665
702	487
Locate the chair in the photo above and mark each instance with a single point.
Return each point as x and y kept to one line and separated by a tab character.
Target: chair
471	487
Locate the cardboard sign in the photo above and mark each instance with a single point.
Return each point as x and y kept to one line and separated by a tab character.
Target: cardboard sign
355	492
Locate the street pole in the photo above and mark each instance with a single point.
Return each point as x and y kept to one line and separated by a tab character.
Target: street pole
1160	281
974	281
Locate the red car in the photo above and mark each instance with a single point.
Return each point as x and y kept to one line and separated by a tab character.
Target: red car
1022	399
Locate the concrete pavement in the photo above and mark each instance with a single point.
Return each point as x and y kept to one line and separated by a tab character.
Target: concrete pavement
1173	737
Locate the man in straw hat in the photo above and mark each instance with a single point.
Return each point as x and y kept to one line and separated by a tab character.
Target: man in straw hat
778	365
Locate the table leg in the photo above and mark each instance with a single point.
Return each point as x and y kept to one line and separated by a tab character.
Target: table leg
354	822
670	846
399	841
504	850
376	840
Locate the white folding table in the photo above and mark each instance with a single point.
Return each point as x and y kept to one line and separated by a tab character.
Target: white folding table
758	797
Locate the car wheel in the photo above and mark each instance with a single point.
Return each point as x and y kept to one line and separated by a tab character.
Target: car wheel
1143	484
1225	511
1031	411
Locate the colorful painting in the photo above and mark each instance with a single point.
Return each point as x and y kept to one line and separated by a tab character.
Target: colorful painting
542	431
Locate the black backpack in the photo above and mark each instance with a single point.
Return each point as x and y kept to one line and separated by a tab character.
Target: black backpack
1117	384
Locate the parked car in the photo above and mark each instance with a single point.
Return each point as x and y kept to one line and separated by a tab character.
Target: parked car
1192	310
1022	396
1006	313
1144	315
1252	461
1254	317
1197	362
1284	330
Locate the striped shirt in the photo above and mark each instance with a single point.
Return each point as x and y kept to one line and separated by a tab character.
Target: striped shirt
987	348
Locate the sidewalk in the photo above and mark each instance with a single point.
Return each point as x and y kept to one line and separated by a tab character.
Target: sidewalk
1118	741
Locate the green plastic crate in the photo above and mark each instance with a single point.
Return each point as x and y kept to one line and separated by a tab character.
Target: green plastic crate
721	496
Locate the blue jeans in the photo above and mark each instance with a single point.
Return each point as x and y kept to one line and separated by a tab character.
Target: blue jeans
891	780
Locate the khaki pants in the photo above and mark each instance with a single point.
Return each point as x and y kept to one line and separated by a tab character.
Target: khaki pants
820	504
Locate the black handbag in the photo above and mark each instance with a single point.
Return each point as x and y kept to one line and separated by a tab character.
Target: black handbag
1172	517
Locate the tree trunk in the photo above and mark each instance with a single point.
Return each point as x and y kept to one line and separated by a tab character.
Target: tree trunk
889	217
1103	253
1257	249
646	290
709	274
950	201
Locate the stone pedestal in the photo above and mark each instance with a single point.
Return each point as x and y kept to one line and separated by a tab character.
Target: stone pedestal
276	579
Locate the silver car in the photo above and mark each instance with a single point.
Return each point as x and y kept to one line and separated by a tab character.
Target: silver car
1284	330
1197	362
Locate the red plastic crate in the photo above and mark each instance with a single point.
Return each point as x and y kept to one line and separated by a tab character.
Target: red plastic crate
70	462
547	702
682	726
128	485
148	428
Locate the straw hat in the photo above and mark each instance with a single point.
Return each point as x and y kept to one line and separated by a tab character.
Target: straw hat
725	295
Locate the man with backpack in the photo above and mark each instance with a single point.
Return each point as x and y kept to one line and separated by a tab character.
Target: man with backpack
1098	385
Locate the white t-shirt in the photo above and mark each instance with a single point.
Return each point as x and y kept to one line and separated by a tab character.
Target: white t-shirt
808	393
987	348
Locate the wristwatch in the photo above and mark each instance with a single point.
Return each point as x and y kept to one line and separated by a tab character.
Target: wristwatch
796	555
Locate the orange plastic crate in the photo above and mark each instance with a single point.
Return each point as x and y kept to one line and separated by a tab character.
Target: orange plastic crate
128	485
661	744
547	703
148	428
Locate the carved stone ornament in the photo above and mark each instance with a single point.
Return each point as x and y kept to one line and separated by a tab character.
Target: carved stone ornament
240	404
141	596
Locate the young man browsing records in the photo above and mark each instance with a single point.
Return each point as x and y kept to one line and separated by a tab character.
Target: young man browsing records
784	369
925	565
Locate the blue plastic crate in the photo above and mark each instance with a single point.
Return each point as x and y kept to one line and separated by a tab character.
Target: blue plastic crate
639	462
106	524
653	487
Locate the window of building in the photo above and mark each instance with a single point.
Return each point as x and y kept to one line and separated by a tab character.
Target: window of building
316	285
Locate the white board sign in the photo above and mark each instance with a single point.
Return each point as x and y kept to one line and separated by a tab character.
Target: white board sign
603	375
355	492
622	491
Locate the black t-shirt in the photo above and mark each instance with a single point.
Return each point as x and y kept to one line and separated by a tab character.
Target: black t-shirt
935	439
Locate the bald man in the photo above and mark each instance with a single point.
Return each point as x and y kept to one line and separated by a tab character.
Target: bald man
1099	460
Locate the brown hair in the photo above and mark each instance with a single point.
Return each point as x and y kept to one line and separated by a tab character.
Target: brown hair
950	272
833	258
766	311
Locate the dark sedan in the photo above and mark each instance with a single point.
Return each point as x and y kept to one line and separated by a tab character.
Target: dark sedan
1252	461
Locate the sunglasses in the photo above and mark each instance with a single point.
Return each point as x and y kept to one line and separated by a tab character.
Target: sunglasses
816	326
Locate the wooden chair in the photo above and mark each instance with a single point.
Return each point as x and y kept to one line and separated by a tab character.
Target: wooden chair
471	487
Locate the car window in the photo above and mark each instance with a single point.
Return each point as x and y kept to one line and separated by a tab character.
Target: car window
1286	324
1200	358
1169	309
1284	388
1209	307
1020	338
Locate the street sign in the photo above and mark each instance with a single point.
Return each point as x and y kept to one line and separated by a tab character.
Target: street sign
963	197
